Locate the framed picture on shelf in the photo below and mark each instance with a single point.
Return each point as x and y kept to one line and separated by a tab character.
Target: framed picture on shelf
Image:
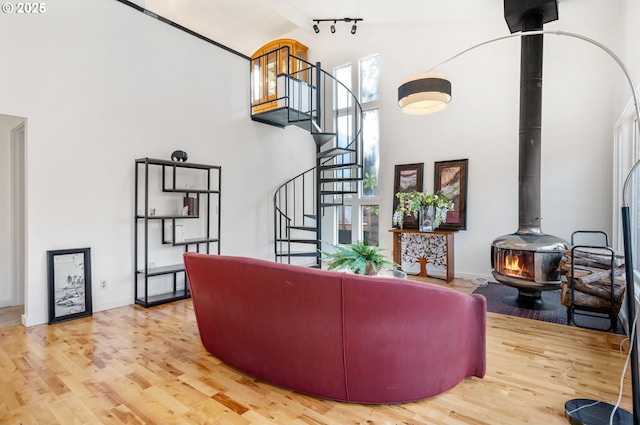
451	179
69	276
408	178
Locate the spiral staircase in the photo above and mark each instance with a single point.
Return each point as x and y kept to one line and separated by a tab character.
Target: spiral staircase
292	91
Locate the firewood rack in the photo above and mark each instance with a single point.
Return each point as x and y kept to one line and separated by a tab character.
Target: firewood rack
591	283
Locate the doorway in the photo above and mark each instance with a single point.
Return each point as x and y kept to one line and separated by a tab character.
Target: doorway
13	217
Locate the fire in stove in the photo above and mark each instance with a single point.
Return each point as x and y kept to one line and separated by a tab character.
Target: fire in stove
516	263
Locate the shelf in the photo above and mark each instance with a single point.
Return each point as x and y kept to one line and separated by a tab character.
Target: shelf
166	217
192	241
165	162
164	298
190	190
158	271
148	239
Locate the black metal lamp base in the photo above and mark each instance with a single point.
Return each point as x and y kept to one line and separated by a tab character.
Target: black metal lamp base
582	411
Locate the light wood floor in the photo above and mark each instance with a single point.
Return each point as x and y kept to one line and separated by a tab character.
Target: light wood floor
10	316
461	285
147	366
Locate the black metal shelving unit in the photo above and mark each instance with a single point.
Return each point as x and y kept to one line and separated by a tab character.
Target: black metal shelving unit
207	195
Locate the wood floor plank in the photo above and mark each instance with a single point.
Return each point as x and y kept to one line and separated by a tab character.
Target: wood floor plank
147	366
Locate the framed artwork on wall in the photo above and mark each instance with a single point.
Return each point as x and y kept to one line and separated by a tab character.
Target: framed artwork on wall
408	178
69	276
451	179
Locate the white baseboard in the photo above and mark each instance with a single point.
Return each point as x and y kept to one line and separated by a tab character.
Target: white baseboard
40	319
112	304
471	276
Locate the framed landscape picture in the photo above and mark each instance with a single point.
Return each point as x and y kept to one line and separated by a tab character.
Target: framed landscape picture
69	275
408	178
451	179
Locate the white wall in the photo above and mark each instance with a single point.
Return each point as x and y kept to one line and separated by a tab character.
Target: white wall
481	122
631	35
103	84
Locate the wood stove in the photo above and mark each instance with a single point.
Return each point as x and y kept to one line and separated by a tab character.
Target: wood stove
529	259
530	263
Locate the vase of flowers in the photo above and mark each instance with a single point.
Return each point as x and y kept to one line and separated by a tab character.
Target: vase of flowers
426	218
430	209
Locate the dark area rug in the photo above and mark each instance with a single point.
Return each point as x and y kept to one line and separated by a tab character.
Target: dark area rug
496	292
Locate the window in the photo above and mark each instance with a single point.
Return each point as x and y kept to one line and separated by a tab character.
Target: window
343	99
371	154
358	218
369	71
626	153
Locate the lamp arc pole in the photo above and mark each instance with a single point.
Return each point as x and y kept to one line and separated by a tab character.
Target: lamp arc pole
584	411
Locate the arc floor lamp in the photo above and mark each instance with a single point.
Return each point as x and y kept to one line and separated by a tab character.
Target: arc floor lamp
427	93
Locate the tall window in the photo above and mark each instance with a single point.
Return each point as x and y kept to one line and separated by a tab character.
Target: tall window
358	218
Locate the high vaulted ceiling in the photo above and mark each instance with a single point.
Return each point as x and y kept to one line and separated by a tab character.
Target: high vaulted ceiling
245	25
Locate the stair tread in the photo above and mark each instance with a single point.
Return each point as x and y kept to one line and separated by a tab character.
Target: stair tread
309	228
340	166
297	254
338	192
340	180
322	138
297	240
333	152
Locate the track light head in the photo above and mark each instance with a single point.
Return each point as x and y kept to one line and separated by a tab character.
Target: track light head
332	27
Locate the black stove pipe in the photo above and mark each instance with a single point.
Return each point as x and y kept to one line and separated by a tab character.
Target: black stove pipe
530	126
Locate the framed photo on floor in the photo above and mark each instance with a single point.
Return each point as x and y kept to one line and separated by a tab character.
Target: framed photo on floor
69	276
408	178
451	179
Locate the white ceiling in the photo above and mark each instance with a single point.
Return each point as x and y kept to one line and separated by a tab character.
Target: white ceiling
245	25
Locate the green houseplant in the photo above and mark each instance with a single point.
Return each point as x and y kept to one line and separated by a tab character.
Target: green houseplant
415	203
358	257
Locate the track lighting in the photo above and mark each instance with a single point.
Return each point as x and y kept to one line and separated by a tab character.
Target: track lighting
332	28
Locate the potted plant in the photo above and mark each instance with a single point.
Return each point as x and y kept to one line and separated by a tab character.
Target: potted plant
358	257
430	210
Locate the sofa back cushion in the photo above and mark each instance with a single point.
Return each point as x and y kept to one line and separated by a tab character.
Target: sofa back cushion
277	322
407	340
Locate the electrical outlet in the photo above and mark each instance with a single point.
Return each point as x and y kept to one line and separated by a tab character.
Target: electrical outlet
103	284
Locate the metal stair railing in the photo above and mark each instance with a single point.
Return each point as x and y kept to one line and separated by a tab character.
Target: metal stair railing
305	95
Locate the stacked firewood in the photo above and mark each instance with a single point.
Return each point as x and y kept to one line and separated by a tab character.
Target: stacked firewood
592	278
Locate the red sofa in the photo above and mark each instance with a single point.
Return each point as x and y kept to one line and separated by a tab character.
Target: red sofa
336	335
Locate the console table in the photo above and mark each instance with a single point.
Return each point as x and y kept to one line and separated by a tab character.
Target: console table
436	248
